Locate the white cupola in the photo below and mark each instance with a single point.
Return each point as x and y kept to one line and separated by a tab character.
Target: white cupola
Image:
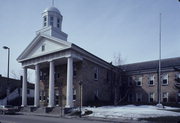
52	23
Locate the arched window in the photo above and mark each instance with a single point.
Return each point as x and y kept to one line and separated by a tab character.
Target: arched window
58	23
51	20
45	20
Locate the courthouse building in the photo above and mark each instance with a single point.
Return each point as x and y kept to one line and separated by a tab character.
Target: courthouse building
63	70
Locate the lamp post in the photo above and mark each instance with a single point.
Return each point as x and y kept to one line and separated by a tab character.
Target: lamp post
80	93
7	91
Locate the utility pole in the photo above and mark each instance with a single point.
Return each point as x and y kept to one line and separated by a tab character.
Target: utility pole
159	73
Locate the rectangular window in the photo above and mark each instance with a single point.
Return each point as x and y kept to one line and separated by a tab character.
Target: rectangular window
151	97
139	81
138	97
96	73
58	21
51	18
45	21
74	70
28	91
130	97
130	81
51	21
58	75
74	94
151	80
165	79
165	97
178	97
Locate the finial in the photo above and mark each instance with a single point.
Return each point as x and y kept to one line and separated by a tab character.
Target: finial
52	2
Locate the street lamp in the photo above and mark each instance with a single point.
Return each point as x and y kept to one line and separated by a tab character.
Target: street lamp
80	93
7	91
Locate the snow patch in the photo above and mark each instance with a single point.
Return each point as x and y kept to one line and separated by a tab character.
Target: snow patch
131	111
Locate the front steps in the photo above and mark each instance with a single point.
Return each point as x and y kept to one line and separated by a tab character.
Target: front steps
43	110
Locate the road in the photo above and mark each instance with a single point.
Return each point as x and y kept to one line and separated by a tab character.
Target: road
41	119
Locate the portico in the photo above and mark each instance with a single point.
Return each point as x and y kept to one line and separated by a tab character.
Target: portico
39	63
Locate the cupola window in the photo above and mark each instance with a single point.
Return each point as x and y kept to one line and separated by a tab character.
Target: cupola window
58	21
51	21
45	20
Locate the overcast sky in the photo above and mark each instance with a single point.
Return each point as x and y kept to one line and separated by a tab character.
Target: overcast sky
102	27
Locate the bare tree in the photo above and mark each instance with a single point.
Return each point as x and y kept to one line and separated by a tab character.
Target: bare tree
117	60
17	74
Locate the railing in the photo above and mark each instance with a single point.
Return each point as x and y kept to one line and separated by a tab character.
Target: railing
10	97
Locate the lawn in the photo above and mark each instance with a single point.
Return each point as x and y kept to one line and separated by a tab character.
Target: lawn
132	112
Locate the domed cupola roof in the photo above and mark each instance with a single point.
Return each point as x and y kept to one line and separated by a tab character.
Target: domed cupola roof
52	9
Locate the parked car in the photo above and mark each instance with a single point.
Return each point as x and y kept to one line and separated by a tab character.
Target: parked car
7	109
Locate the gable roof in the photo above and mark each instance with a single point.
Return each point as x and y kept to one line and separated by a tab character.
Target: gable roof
25	54
36	40
152	65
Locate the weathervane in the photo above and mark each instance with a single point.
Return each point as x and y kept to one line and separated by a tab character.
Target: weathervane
52	2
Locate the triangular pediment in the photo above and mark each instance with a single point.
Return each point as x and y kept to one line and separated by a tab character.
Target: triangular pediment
43	45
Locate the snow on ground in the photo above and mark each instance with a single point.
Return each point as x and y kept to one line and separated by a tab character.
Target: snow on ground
131	111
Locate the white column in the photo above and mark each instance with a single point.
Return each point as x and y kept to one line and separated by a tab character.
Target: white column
24	87
69	92
51	84
36	94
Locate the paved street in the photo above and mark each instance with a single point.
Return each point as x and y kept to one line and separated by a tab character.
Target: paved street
40	119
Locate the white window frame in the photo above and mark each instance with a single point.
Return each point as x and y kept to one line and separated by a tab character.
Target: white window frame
152	97
167	96
165	77
139	79
45	21
151	78
177	75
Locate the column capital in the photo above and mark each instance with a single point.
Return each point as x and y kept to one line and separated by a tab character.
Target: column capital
52	60
36	64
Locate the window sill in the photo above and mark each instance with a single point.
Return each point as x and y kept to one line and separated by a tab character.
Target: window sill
164	84
139	85
151	85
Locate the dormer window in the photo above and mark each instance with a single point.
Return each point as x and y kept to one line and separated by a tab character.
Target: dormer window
51	21
58	21
43	48
45	21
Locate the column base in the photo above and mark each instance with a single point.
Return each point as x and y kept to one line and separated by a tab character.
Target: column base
23	105
159	105
50	106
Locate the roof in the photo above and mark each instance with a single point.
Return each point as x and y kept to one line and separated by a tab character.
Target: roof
52	9
151	65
